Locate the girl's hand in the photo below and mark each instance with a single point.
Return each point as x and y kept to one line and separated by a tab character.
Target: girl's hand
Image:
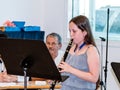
65	67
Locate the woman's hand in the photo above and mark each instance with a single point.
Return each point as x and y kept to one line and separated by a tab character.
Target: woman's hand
7	78
65	67
1	77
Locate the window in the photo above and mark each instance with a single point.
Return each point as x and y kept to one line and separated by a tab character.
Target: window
97	12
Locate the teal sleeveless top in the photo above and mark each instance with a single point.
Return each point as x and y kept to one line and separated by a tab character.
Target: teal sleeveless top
73	82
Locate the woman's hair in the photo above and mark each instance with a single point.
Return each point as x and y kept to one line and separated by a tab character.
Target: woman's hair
82	23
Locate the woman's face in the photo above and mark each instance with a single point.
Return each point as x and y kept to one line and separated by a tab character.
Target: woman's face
76	34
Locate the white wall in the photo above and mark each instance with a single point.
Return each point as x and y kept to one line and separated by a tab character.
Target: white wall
21	10
51	15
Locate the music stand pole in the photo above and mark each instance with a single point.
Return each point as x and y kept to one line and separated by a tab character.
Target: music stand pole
25	78
26	64
53	85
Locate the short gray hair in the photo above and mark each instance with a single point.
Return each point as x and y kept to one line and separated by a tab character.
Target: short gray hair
56	35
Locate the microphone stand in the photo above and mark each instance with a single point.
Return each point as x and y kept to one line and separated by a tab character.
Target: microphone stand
106	48
101	76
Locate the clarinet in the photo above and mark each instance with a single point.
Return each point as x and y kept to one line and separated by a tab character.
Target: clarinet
63	59
67	50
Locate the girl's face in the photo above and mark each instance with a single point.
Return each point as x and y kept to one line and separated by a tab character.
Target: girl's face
76	34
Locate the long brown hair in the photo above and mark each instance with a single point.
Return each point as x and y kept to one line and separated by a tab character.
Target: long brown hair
82	23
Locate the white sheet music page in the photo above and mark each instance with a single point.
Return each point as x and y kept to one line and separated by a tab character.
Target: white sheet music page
3	84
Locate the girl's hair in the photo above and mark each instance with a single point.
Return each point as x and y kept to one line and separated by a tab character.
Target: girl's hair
82	23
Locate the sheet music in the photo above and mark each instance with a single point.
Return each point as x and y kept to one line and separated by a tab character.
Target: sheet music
40	82
3	84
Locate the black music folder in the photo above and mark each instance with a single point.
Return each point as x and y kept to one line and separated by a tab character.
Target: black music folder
31	54
116	69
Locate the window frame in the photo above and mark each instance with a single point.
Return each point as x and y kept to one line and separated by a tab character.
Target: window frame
91	14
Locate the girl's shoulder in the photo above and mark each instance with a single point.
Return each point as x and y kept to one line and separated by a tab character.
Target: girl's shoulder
91	49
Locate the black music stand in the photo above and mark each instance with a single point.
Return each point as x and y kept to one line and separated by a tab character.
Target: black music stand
116	69
28	58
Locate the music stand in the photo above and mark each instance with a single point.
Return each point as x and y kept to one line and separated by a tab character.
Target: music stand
28	58
116	69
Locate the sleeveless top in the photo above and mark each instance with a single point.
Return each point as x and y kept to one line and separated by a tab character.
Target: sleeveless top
73	82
